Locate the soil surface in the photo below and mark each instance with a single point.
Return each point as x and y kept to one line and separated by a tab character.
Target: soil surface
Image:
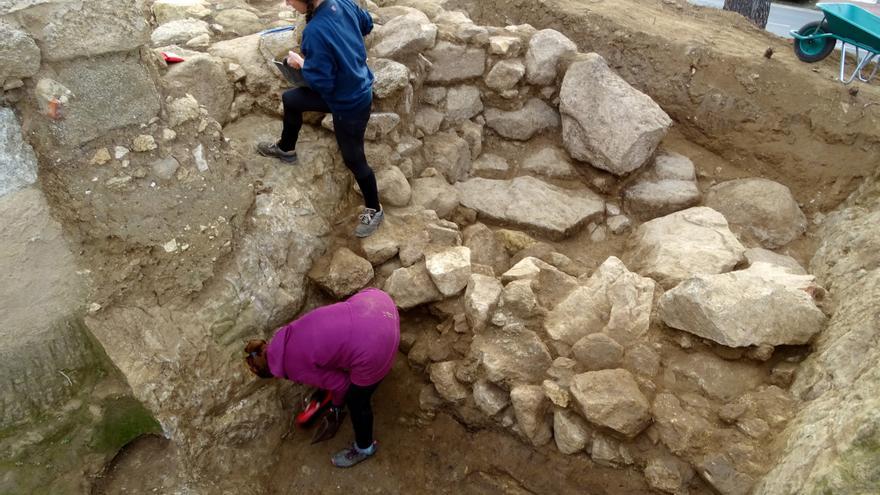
417	455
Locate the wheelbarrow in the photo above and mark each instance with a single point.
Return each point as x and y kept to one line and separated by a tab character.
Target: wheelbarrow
853	27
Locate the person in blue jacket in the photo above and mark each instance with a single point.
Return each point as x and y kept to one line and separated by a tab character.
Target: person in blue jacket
334	65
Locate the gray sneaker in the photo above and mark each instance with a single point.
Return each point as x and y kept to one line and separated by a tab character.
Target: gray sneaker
369	221
353	455
271	149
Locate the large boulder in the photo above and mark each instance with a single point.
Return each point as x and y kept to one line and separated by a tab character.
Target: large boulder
678	246
69	30
18	163
19	54
404	35
532	203
112	91
612	399
453	63
613	300
546	48
759	210
511	355
203	77
605	121
179	32
762	305
532	416
533	118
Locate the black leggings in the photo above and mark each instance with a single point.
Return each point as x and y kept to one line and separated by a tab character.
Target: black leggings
358	401
349	131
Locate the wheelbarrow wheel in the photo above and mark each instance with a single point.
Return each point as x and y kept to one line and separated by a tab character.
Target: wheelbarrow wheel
816	49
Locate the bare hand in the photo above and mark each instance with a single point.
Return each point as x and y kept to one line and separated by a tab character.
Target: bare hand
295	60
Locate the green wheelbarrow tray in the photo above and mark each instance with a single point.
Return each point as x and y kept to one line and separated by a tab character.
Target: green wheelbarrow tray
851	26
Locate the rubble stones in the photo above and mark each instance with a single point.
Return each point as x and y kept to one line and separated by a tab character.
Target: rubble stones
485	247
549	162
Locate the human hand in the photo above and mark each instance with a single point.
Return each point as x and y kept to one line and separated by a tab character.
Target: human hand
295	60
330	424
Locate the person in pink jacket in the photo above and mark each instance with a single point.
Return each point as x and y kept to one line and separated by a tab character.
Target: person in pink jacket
346	348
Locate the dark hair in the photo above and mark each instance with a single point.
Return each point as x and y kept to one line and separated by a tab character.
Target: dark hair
310	9
256	359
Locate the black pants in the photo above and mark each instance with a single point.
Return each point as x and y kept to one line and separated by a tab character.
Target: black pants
358	401
349	130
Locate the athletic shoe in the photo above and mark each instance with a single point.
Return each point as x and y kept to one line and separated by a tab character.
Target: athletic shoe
369	221
353	455
271	149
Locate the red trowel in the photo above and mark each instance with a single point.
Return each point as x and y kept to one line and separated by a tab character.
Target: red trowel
314	406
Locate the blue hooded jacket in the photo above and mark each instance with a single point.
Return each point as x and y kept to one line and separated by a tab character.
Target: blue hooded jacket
335	56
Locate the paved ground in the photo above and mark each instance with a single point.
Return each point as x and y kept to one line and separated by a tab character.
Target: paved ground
784	18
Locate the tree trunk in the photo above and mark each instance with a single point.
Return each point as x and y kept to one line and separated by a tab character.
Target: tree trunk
756	11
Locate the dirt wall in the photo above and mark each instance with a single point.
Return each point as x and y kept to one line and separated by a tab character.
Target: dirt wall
774	117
